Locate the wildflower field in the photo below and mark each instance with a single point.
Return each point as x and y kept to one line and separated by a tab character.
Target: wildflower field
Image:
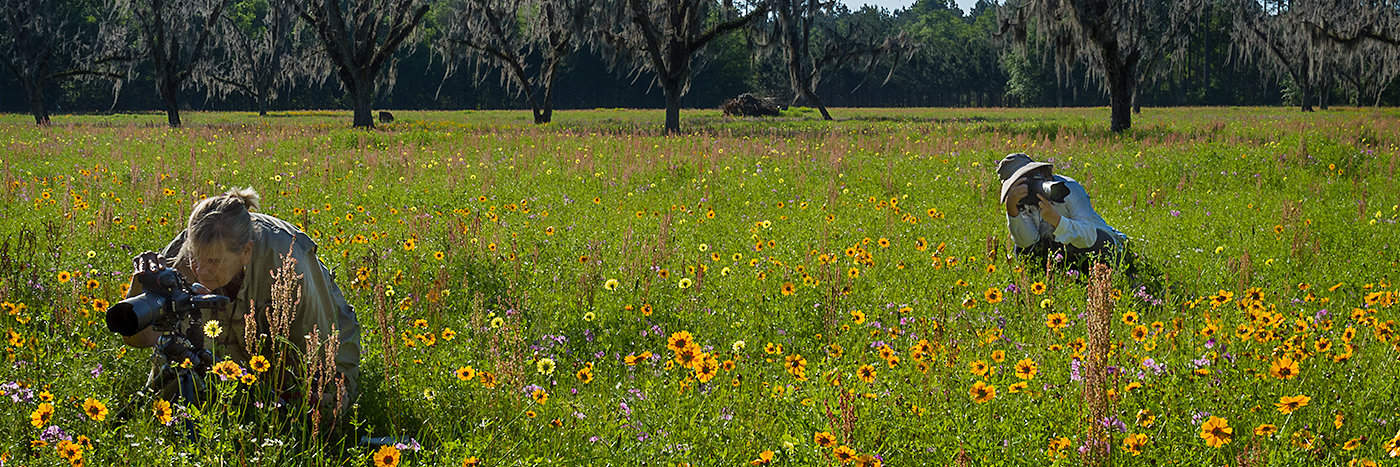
793	292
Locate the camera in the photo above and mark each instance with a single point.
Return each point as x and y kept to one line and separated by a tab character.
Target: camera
167	300
1038	184
170	305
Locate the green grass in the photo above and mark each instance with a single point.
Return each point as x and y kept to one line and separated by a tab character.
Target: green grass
533	221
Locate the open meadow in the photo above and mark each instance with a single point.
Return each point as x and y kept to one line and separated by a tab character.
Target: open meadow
793	291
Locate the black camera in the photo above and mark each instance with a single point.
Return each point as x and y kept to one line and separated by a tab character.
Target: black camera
167	299
170	305
1038	184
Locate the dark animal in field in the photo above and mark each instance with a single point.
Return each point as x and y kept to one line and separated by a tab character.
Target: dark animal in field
386	117
749	105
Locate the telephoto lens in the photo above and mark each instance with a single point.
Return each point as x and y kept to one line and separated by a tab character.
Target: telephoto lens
130	316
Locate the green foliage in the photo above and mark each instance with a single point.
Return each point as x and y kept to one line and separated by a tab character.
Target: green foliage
594	239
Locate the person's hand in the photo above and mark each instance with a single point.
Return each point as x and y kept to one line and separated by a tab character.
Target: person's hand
1047	212
1014	196
149	261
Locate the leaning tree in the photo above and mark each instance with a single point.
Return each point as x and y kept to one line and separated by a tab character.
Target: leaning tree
360	38
50	41
666	37
262	49
1113	39
525	41
816	37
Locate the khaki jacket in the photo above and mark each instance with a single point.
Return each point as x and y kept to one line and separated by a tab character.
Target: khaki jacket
322	306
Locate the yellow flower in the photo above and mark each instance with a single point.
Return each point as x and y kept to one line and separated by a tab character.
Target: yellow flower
41	415
95	409
866	373
259	363
679	340
162	411
545	366
1216	431
1284	368
585	374
844	453
1287	404
212	329
1026	369
228	370
992	295
540	396
1265	430
982	392
386	456
70	451
610	285
1134	443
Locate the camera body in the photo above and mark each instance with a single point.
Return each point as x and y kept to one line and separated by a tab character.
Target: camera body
1039	185
167	299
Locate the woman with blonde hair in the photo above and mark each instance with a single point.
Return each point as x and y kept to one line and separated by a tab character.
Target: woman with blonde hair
235	252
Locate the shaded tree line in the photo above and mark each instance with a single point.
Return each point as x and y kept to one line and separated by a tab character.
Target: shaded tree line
172	55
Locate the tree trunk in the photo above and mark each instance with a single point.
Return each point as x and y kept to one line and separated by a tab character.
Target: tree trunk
1137	102
1323	94
35	89
537	110
262	105
363	96
547	102
170	95
1120	99
820	106
673	106
1306	98
805	89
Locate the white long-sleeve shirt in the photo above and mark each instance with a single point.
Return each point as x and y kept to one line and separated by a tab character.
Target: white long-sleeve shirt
1079	223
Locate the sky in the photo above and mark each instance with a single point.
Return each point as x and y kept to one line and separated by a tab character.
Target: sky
965	5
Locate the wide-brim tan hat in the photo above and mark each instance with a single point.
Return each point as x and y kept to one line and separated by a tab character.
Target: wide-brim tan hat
1012	167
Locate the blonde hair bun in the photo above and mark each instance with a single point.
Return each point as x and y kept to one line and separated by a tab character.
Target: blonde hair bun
248	196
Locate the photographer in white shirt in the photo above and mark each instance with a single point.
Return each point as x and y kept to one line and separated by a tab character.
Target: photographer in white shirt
1046	212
